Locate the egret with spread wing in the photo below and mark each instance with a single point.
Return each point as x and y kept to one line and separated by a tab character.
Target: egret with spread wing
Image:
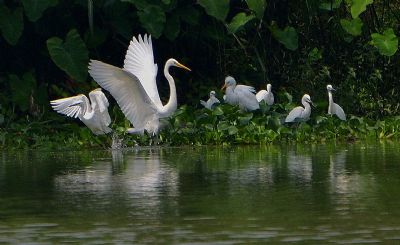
211	102
299	114
93	114
241	95
333	108
266	95
134	86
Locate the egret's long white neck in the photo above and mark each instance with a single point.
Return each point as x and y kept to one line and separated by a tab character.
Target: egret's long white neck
89	107
172	104
269	88
330	102
306	105
307	109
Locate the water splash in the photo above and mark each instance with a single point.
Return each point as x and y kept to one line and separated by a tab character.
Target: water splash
117	143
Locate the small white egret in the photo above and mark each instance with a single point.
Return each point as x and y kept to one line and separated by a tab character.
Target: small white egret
134	86
266	95
299	114
211	101
334	108
241	95
93	114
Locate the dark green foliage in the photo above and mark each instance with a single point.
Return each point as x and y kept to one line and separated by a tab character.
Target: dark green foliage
35	8
11	24
298	46
70	55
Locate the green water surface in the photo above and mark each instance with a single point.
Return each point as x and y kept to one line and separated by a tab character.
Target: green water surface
309	194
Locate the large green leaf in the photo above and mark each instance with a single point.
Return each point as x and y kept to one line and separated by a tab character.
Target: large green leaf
257	6
288	36
239	21
387	44
189	15
353	26
22	89
11	24
35	8
71	55
166	5
359	6
330	5
232	130
172	27
152	18
216	8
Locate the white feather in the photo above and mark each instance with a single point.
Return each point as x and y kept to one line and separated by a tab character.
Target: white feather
139	61
94	115
300	113
211	101
127	90
241	95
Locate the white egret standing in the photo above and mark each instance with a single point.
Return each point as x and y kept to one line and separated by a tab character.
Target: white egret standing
299	114
241	95
211	101
334	108
93	114
134	86
266	95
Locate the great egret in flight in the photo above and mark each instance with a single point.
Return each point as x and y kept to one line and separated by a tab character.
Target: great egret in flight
333	107
211	101
93	114
134	86
299	113
266	95
241	95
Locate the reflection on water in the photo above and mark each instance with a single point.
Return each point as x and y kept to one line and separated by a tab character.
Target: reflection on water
310	194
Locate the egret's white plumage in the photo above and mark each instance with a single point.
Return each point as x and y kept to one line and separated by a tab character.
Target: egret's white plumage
333	108
299	113
93	114
134	86
266	95
241	95
212	101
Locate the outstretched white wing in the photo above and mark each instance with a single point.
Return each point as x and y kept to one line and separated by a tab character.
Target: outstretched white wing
139	61
74	106
101	107
127	91
294	114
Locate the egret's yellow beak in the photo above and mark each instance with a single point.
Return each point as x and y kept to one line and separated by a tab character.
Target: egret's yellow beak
182	66
223	87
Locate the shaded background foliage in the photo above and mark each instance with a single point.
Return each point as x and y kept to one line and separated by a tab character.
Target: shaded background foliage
298	46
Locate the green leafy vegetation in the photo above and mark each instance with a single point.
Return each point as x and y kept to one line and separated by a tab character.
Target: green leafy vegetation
71	55
239	21
359	6
11	24
225	125
298	46
217	9
288	36
387	43
353	26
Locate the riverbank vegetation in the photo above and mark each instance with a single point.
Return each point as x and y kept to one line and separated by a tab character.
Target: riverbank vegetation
298	46
225	125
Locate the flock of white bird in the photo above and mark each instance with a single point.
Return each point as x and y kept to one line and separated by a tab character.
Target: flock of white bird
135	90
